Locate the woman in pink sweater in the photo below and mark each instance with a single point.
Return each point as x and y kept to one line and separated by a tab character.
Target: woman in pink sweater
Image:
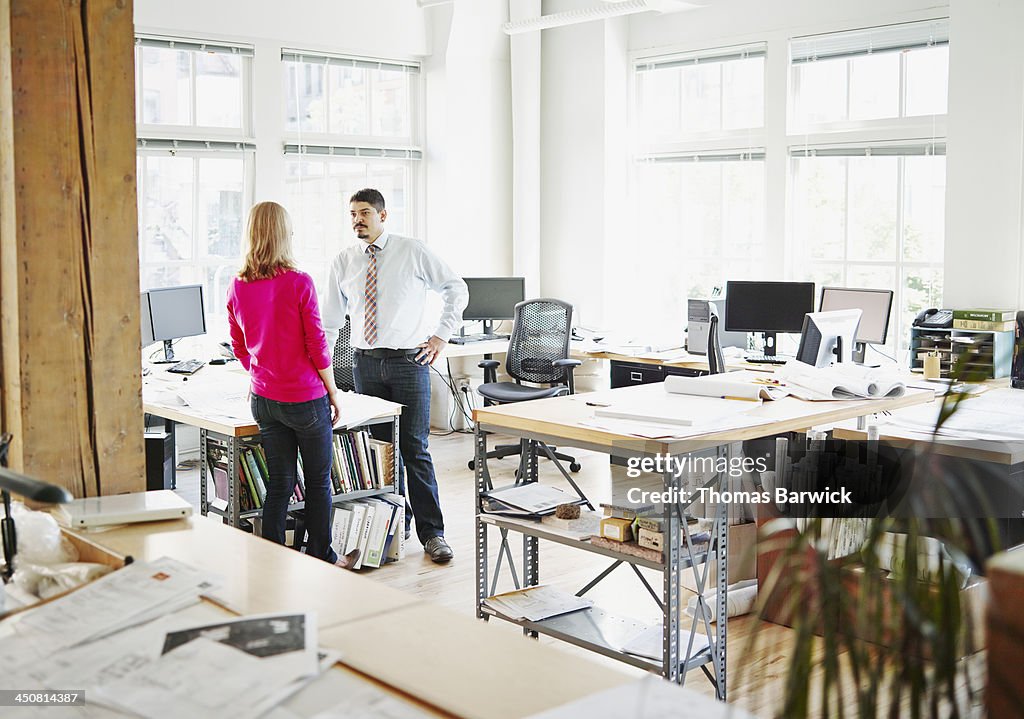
277	336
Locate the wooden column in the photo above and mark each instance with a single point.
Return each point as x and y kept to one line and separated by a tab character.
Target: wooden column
69	276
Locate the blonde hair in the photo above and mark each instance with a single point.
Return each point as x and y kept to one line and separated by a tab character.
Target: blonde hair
269	234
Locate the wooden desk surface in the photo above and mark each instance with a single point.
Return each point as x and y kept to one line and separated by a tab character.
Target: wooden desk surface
466	666
1008	452
259	576
560	418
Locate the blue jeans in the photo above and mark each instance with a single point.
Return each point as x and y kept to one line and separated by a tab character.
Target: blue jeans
400	379
287	428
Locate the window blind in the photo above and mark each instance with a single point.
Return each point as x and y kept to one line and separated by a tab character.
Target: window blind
716	156
353	151
168	43
344	61
893	150
865	41
701	57
153	143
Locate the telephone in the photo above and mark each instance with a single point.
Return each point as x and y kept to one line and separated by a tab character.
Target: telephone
934	319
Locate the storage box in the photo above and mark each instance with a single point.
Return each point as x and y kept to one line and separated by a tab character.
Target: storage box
616	528
651	540
742	557
88	551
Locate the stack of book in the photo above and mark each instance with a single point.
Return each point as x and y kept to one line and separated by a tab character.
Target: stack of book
375	526
984	319
359	462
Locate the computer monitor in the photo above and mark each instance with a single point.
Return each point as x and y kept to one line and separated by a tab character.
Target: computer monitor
768	308
146	321
876	306
493	298
173	312
828	337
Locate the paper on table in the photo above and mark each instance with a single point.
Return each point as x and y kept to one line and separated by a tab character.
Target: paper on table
842	381
741	386
647	698
650	430
357	408
533	497
648	643
675	409
137	593
342	695
282	645
536	603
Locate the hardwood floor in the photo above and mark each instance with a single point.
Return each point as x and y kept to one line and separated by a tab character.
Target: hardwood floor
758	650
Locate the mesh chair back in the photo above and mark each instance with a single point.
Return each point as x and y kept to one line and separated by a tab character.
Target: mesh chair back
540	335
344	357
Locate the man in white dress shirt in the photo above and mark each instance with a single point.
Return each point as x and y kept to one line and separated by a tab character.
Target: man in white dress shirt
381	284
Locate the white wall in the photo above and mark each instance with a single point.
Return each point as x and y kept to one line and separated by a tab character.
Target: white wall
985	156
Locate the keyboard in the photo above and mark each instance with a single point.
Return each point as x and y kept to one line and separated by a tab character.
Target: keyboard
765	359
461	340
186	366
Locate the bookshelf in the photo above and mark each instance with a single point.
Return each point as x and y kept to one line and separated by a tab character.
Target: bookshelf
219	450
986	354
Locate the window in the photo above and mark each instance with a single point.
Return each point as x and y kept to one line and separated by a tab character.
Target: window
698	184
351	123
871	213
195	165
862	77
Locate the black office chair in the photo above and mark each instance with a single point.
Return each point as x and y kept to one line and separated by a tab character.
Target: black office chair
344	357
538	352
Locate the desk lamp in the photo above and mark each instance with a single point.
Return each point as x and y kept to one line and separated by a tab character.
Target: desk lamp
30	489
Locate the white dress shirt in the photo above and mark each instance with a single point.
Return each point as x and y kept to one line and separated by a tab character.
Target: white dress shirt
406	269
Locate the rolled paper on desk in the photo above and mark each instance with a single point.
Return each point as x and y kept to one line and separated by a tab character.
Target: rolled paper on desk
740	600
712	386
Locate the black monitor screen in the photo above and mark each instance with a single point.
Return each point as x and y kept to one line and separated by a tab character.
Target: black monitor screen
767	306
176	312
875	305
146	320
493	298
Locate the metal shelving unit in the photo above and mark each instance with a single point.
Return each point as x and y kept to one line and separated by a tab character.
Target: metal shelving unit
232	447
595	629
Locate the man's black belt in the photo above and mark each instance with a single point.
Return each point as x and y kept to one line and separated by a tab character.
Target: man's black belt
384	353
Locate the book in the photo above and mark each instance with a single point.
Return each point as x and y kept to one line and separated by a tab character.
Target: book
383	512
249	482
219	476
983	326
383	456
395	548
985	314
364	538
355	529
340	528
257	477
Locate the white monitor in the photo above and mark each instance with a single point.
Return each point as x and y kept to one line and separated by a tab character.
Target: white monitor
828	337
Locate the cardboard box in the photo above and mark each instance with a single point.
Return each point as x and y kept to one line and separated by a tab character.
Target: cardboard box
88	551
651	540
742	557
616	528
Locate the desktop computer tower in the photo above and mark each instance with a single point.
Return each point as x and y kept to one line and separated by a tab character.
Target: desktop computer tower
699	323
160	458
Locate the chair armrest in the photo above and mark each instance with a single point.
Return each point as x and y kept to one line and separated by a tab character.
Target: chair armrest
569	364
490	368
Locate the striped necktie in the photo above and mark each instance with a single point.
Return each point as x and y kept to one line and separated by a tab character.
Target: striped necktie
370	298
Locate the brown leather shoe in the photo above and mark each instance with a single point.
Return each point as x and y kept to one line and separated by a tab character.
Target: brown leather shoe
348	561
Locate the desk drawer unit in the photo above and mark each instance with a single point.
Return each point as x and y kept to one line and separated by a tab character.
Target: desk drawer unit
627	374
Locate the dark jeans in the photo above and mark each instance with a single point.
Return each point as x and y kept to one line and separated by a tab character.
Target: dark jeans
287	428
400	379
